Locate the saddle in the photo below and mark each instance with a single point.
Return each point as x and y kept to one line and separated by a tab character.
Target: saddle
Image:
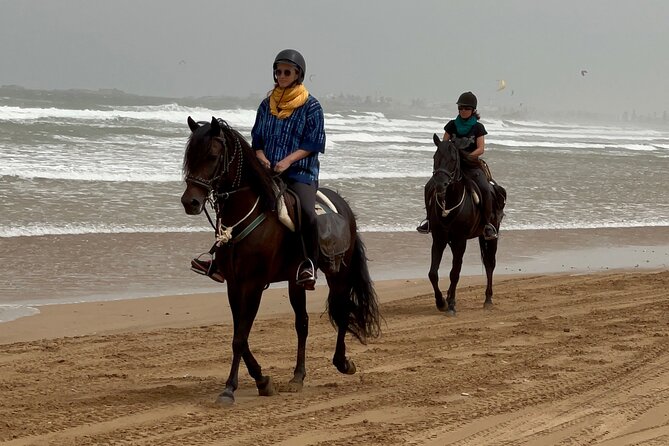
334	236
498	192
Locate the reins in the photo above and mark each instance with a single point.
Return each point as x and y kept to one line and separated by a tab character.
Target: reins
444	211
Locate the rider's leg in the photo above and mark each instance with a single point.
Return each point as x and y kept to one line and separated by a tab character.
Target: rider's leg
306	274
424	227
489	231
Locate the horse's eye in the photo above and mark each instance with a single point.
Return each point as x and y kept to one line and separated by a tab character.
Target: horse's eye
212	158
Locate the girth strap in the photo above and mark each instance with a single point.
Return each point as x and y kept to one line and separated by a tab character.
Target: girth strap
247	230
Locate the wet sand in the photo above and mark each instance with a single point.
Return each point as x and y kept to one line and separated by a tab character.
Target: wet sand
561	359
70	268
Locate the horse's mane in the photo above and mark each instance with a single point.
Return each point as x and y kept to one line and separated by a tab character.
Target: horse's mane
198	149
467	162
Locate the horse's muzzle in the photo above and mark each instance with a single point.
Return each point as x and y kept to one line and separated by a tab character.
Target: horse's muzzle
192	205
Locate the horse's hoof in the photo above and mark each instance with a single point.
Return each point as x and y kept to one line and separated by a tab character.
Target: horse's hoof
487	305
350	367
294	386
266	387
450	313
225	399
347	367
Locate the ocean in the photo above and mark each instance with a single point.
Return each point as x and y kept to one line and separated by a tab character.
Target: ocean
85	168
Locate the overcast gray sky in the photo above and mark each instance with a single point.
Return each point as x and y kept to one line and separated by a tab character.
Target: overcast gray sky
431	50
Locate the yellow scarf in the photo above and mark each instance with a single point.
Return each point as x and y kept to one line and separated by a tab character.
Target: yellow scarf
282	101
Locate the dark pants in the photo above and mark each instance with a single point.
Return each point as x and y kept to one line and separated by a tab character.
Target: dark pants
309	228
487	197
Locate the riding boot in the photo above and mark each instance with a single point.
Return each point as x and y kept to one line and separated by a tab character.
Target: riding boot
306	275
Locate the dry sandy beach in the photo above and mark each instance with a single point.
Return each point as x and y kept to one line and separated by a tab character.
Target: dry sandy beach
576	351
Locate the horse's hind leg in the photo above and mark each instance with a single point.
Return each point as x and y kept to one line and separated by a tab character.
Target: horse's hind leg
338	300
437	251
458	250
488	254
298	301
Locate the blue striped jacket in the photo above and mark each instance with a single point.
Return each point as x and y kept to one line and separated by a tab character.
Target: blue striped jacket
303	129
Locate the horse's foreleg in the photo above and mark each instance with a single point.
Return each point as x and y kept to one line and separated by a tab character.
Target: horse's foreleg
458	250
244	308
263	383
298	301
437	251
488	254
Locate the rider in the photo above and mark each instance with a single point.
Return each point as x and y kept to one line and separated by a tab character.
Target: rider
470	133
288	135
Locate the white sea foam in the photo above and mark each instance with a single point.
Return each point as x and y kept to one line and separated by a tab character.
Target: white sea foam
37	230
170	113
362	148
10	312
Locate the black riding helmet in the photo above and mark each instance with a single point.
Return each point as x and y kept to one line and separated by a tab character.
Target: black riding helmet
292	57
468	99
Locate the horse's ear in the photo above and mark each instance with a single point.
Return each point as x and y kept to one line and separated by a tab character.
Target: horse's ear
192	124
215	127
436	140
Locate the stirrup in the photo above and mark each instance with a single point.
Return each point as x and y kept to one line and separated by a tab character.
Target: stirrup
489	228
206	268
424	227
306	275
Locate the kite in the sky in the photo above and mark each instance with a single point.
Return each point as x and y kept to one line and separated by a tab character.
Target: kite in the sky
584	72
502	85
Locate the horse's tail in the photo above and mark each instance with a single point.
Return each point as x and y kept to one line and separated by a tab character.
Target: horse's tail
362	305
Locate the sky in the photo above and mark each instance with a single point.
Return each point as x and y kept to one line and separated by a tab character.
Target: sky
431	50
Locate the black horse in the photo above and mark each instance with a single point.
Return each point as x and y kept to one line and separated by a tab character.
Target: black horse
256	249
454	217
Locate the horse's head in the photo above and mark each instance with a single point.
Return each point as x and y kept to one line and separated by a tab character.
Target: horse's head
446	167
219	161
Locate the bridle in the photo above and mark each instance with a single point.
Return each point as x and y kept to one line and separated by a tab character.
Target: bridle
216	197
223	164
453	176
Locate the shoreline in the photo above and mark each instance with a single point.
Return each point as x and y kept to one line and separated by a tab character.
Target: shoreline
396	260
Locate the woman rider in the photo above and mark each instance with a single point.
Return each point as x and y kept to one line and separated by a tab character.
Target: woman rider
288	135
471	133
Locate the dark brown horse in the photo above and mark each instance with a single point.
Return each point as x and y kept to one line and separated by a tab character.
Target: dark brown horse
256	249
454	217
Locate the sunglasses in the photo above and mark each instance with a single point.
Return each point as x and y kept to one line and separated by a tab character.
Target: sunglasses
286	73
462	107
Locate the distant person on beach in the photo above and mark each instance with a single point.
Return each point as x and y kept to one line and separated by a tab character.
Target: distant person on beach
288	135
469	135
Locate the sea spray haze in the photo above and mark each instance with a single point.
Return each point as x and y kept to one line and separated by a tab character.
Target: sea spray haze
70	166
